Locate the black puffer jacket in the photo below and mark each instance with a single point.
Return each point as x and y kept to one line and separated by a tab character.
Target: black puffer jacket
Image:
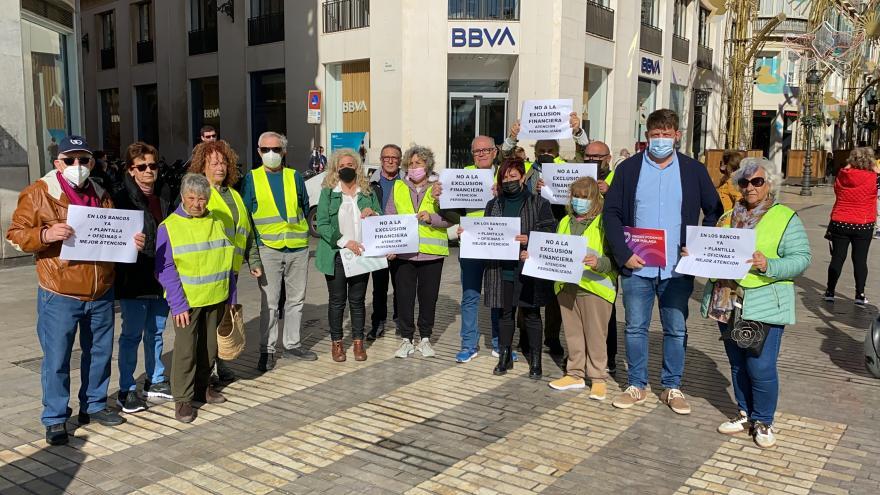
138	279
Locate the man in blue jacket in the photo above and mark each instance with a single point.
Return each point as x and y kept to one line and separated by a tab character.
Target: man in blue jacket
657	189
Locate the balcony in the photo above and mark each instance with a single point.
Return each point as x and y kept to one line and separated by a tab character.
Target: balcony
484	10
600	20
144	51
680	48
108	58
704	57
342	15
202	41
651	39
267	28
788	26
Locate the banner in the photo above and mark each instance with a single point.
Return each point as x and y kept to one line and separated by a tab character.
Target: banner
466	188
489	238
558	178
545	119
556	257
715	252
355	265
390	234
350	140
648	244
102	234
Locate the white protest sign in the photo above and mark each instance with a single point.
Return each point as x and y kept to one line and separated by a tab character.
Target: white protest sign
558	178
490	238
715	252
102	234
556	257
355	265
545	119
390	234
466	188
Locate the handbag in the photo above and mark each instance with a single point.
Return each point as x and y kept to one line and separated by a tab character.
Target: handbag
230	334
748	335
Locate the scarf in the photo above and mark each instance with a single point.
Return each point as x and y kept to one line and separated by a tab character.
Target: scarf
79	196
724	292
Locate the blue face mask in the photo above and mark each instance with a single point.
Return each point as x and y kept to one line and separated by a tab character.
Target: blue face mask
580	205
661	147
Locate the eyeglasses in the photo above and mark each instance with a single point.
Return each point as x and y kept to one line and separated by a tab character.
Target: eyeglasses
755	181
143	167
390	158
482	151
264	149
83	160
595	157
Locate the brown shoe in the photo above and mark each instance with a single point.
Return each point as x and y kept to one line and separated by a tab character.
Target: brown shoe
210	396
184	412
630	397
673	398
337	351
359	353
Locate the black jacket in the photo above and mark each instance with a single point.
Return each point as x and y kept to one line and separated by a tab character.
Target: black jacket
138	279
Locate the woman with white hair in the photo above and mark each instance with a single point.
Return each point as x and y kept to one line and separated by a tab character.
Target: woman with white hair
752	312
346	198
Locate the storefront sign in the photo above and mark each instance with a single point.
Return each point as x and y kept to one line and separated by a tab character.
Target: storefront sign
211	113
354	106
492	38
650	66
314	107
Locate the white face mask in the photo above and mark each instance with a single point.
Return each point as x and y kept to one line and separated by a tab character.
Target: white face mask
272	160
76	174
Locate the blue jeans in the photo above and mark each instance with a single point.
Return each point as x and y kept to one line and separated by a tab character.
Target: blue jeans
638	303
755	379
471	284
142	319
57	320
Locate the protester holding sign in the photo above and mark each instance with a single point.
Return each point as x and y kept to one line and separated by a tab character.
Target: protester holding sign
418	274
506	288
346	198
71	295
752	312
382	183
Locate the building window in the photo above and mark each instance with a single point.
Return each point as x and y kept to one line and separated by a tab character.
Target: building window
110	122
203	26
107	23
494	10
793	69
649	12
147	114
595	102
266	23
268	105
342	15
205	104
144	41
679	18
647	100
704	27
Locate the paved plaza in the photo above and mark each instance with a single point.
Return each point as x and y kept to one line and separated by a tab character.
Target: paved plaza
420	426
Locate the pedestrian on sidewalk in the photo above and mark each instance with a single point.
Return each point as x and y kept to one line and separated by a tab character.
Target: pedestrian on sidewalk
346	199
752	312
194	265
417	275
852	220
727	191
142	303
72	294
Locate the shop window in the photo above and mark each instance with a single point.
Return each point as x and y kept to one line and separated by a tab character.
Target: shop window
205	104
147	114
268	105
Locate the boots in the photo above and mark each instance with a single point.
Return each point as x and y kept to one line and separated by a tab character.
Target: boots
337	351
505	361
535	370
359	353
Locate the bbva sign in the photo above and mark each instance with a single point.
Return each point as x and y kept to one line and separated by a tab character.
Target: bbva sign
479	37
354	106
649	66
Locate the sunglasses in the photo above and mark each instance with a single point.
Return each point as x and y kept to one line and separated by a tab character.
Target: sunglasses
390	158
755	181
83	160
264	149
143	167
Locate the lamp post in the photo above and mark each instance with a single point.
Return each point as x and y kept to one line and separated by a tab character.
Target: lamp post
812	88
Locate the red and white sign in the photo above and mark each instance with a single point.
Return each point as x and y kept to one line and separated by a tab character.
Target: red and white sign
314	107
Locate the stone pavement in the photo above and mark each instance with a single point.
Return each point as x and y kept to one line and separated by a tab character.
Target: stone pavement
424	426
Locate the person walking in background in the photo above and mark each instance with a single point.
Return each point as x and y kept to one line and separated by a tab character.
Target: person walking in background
382	182
852	220
727	191
346	198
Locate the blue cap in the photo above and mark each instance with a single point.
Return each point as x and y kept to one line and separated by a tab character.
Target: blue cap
73	143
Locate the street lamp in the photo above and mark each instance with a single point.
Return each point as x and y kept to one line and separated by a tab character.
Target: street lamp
813	82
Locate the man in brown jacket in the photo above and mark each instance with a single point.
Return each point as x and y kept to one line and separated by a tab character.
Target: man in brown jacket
71	294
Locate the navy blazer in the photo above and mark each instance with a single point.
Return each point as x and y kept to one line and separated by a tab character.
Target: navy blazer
697	193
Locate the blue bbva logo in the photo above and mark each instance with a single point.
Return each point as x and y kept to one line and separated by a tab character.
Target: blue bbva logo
477	37
650	66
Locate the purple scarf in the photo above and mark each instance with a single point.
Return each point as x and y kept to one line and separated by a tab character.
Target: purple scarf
84	196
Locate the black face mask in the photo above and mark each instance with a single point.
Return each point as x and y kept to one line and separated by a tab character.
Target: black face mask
347	174
544	158
511	187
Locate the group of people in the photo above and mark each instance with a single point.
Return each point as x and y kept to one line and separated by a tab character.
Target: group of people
191	253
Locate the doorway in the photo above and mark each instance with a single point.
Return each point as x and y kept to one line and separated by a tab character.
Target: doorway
762	130
472	115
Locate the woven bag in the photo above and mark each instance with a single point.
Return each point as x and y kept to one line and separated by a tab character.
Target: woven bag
230	334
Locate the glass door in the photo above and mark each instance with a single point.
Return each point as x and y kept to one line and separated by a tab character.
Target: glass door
471	115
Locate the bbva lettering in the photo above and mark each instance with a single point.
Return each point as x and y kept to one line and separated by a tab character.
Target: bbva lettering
354	106
650	66
477	37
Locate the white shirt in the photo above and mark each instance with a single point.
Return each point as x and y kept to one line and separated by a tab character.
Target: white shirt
349	217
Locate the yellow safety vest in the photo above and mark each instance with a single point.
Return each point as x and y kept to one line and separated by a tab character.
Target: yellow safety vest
477	212
609	178
768	236
238	233
277	232
203	257
432	240
603	285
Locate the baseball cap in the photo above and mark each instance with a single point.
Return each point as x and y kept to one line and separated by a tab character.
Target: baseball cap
73	143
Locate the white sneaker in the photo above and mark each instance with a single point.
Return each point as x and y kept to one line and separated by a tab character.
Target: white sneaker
405	350
736	424
426	349
764	436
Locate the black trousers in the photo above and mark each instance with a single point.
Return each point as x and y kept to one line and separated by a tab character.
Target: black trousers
380	296
416	279
839	242
342	289
552	323
507	324
611	340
